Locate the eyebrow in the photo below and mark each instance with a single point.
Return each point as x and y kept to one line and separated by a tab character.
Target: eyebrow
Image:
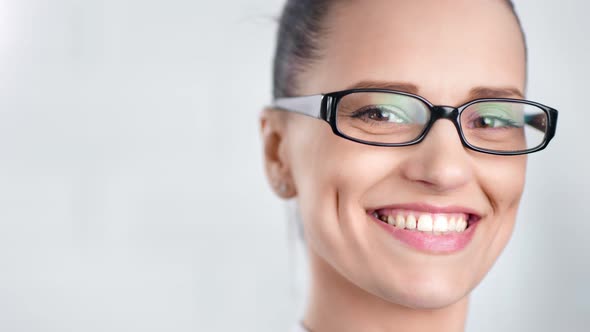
474	93
399	86
489	92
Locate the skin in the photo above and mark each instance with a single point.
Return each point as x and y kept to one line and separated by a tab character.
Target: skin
363	279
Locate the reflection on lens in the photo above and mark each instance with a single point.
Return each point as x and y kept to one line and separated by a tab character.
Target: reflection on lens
381	117
504	126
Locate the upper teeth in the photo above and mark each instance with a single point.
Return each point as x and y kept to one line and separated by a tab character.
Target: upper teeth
426	222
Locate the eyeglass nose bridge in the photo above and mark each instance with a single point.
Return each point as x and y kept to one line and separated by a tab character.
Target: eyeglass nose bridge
444	112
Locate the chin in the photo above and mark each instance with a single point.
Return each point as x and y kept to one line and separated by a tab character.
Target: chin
425	297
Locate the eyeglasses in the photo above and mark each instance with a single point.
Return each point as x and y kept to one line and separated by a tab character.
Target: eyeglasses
500	126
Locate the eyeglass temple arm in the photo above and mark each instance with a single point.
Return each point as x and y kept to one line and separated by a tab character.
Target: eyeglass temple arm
306	105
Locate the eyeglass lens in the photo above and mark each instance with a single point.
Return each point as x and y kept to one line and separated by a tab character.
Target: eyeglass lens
392	118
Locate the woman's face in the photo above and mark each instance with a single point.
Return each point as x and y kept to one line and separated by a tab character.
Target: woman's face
449	53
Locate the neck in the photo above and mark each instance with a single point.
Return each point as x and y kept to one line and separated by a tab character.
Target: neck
336	304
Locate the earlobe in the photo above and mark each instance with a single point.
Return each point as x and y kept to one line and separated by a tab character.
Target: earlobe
278	172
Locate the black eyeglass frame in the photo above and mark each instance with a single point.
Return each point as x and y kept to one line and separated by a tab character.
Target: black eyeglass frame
324	107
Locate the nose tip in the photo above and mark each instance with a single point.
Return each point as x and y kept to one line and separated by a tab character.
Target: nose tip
440	162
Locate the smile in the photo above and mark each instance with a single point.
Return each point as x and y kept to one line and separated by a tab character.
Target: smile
428	228
438	223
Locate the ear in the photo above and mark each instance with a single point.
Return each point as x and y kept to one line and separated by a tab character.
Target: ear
273	129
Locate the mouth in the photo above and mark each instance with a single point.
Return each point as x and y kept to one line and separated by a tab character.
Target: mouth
435	223
428	228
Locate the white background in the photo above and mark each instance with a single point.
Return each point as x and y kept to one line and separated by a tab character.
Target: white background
132	196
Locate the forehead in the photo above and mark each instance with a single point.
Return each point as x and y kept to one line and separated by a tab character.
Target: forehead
444	48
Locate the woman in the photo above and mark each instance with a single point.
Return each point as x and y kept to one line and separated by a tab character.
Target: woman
401	129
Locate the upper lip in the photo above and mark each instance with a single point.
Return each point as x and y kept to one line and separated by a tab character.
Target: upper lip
429	208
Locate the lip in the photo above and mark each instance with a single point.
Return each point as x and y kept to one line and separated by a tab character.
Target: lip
430	243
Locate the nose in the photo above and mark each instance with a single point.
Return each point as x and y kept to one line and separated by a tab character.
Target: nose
440	162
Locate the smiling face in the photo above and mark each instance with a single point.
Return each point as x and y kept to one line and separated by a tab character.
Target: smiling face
448	52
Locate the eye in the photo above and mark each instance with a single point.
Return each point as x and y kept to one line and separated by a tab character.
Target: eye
492	122
494	116
381	113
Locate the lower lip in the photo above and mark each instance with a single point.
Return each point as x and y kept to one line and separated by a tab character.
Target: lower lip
430	243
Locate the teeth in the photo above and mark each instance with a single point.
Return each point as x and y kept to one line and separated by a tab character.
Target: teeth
461	224
438	223
400	221
441	224
391	220
452	224
411	222
425	223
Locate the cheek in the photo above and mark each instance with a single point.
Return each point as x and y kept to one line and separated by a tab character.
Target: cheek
502	182
331	174
324	164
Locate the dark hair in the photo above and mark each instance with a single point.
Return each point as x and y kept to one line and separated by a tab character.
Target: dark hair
300	28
